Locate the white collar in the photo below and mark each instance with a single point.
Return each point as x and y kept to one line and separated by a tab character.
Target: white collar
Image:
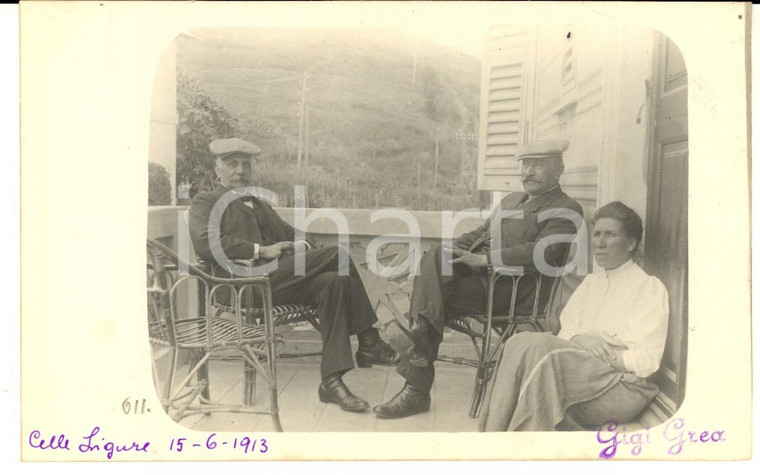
619	270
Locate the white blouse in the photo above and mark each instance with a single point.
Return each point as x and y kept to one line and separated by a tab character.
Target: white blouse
625	303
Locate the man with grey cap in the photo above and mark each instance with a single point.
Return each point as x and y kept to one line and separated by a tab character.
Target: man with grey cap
439	295
251	229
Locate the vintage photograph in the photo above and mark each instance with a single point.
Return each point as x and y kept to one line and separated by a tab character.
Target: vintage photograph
385	231
378	230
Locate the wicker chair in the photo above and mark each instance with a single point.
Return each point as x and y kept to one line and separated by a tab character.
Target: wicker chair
205	334
480	327
281	314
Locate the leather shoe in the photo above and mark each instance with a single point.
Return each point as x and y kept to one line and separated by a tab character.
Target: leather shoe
334	390
407	402
381	353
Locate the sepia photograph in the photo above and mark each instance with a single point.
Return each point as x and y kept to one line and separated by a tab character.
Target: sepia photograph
351	123
388	224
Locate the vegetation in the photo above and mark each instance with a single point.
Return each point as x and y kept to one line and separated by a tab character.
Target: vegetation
377	105
159	185
201	120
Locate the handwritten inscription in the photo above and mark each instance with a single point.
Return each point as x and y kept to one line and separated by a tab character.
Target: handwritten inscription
246	444
91	443
620	437
675	432
137	408
95	442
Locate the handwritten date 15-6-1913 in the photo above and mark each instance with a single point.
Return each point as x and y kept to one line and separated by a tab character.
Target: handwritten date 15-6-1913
245	444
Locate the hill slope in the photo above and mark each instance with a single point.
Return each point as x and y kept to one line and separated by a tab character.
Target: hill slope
374	112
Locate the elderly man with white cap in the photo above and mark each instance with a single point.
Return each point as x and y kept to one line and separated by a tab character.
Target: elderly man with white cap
250	229
437	297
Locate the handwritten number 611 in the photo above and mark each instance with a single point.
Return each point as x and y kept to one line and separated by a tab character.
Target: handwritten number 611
137	408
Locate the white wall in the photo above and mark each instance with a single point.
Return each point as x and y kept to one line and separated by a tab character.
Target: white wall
628	155
163	117
591	89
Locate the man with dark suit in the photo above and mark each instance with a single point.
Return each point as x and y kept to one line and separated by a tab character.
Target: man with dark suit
441	294
228	223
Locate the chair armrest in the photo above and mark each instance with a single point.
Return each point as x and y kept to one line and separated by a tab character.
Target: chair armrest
529	276
496	273
196	270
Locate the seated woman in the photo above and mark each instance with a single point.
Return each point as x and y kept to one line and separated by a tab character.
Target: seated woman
613	335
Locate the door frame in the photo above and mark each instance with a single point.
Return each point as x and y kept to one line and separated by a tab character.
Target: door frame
664	405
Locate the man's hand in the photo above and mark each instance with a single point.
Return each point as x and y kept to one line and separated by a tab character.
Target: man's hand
275	250
603	347
300	246
476	261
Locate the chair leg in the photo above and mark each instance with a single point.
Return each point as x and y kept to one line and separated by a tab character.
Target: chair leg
275	408
249	391
203	375
157	380
484	375
170	382
165	389
481	377
276	422
478	391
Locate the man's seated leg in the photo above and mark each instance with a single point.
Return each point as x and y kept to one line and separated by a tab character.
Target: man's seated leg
344	309
418	371
465	293
372	349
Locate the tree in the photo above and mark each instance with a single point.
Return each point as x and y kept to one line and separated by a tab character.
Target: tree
200	120
159	185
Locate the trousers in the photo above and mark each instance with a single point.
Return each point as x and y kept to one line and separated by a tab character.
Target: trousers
438	296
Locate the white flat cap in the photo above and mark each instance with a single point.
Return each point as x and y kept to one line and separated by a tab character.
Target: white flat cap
542	149
224	147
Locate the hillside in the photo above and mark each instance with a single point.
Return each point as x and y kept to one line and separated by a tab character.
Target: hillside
374	115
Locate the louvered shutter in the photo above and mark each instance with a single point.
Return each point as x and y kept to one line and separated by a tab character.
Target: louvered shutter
503	107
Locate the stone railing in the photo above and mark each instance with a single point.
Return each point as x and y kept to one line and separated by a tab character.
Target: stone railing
166	223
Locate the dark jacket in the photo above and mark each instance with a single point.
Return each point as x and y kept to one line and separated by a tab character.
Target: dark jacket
241	226
519	236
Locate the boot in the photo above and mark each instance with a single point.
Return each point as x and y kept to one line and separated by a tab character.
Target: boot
407	402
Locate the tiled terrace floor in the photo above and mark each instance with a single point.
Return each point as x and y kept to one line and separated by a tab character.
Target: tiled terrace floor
301	410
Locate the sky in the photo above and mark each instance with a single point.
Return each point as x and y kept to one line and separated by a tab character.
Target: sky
460	29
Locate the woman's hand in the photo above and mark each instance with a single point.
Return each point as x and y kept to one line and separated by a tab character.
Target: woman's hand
604	347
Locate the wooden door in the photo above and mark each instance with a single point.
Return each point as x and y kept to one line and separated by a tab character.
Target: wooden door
666	229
